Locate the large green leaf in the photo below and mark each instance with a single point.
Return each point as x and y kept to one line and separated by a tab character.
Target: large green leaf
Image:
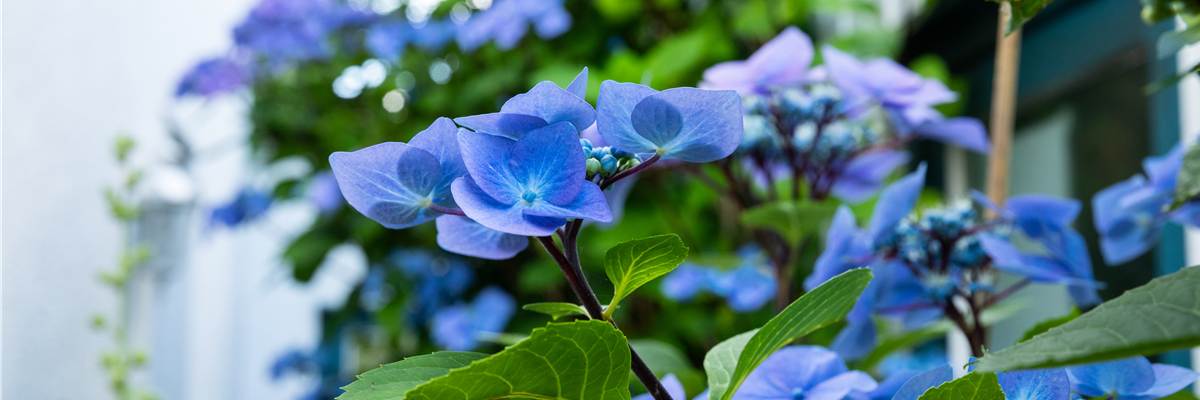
631	264
822	306
976	386
389	382
556	310
1188	181
1044	326
792	220
581	360
1159	316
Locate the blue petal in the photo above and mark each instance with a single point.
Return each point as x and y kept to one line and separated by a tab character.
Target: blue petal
552	104
1128	376
964	132
578	86
1045	384
782	61
1163	170
746	289
1126	231
865	174
487	160
790	368
1038	214
391	183
673	386
838	387
838	247
550	163
888	388
451	329
441	140
507	218
508	125
614	108
588	204
463	235
685	282
1168	379
925	381
896	202
856	340
491	310
693	125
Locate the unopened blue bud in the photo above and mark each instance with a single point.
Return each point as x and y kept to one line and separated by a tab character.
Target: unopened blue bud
587	152
609	163
600	152
619	154
593	166
587	144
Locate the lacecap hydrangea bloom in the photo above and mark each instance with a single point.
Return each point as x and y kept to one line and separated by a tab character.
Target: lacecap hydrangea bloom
1130	215
746	288
461	327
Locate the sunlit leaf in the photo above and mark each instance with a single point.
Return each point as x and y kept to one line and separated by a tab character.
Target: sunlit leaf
976	386
634	263
391	381
1044	326
556	310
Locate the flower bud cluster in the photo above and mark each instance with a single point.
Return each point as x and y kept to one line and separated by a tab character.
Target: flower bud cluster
607	161
943	243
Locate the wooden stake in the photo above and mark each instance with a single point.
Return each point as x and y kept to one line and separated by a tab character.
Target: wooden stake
1004	102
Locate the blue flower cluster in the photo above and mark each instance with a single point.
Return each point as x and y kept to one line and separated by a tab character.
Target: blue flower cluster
248	205
814	122
1130	215
279	33
923	263
746	288
523	171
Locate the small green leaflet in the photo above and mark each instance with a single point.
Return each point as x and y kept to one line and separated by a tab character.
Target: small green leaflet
1022	12
1159	316
631	264
822	306
389	382
581	360
792	220
1044	326
1188	183
556	310
975	386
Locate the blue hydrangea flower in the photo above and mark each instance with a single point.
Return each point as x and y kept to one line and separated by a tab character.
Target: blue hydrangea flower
1132	378
895	203
464	236
323	192
746	288
674	389
1042	384
809	372
926	380
288	30
247	206
387	39
440	280
507	21
1129	215
544	105
686	282
528	186
782	61
460	327
693	125
866	173
216	76
294	362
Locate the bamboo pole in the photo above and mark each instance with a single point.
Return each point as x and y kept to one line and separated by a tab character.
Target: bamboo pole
1004	101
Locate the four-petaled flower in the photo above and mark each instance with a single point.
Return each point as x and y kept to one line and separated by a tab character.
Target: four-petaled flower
1130	215
804	372
693	125
1132	378
461	327
782	61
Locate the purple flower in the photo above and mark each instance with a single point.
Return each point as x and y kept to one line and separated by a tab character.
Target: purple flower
544	105
287	30
323	192
1130	215
673	386
527	186
1132	378
783	61
216	76
507	21
809	372
248	205
460	327
690	124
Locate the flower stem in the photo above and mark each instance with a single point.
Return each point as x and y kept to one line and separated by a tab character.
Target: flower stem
447	210
590	303
608	182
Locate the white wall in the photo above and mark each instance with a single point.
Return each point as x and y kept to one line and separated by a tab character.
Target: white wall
79	72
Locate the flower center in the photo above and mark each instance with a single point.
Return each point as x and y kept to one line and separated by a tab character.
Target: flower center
798	394
529	196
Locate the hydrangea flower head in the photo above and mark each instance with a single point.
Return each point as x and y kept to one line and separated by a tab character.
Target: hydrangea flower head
527	186
782	61
507	21
460	327
746	288
216	76
395	183
288	30
804	372
544	105
1130	215
387	39
693	125
1132	378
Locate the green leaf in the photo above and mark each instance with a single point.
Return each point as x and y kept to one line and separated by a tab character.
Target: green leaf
1022	12
1044	326
976	386
581	360
1169	81
792	220
1185	394
662	358
822	306
1188	181
631	264
890	344
556	310
392	380
1159	316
